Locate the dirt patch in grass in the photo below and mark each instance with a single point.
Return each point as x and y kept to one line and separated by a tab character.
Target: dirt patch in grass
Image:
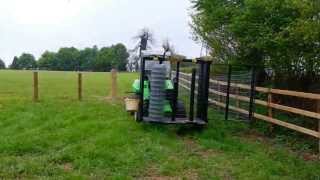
154	174
310	157
191	174
193	147
67	167
253	135
157	177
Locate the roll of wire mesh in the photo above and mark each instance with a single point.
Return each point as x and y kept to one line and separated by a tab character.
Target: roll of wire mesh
157	92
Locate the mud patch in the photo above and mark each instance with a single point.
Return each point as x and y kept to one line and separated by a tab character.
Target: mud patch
193	147
154	174
67	167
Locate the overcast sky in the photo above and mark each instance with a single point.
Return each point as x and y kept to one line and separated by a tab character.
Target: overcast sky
34	26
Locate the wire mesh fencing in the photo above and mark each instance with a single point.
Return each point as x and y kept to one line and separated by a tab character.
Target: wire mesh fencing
231	91
188	89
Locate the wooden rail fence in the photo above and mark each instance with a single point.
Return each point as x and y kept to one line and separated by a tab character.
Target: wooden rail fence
113	94
268	104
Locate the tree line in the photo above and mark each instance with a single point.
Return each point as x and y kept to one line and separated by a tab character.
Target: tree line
283	35
72	59
2	64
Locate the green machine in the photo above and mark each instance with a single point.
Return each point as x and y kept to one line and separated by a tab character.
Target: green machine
157	90
169	99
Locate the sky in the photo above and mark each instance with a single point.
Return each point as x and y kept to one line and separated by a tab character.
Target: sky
33	26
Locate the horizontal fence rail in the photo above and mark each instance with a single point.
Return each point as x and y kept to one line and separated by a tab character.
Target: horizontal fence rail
273	91
185	79
36	90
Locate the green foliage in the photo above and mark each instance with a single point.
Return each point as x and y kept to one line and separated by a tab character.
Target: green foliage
25	61
2	64
62	138
72	59
111	57
48	61
68	59
283	34
14	64
103	60
120	57
87	58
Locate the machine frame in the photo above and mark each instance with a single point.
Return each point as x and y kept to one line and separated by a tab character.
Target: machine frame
203	77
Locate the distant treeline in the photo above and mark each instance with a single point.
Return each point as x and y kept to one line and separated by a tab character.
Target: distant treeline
72	59
2	65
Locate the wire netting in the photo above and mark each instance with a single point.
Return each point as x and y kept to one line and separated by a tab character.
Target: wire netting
184	90
239	90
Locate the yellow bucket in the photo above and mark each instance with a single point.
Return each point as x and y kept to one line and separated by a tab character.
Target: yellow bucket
132	104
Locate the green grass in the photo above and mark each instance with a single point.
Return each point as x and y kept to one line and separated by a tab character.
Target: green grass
61	138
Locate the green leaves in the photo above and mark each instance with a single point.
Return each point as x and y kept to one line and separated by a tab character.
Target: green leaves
111	57
283	33
68	59
25	61
2	65
48	61
72	59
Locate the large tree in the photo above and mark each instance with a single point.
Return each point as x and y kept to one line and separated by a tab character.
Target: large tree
282	34
68	59
104	60
87	58
48	61
120	55
2	64
14	64
144	39
25	61
168	47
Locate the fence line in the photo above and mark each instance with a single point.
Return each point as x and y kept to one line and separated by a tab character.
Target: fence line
263	103
273	91
113	93
269	104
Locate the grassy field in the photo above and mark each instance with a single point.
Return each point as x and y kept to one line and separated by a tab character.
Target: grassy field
61	138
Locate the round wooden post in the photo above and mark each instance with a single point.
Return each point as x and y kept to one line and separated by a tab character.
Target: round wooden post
113	83
237	100
319	138
318	111
79	86
35	86
219	97
270	110
269	104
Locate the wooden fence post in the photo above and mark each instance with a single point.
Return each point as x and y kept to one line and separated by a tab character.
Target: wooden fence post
319	137
219	97
79	86
270	114
113	83
226	115
318	111
35	87
252	95
237	100
270	110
